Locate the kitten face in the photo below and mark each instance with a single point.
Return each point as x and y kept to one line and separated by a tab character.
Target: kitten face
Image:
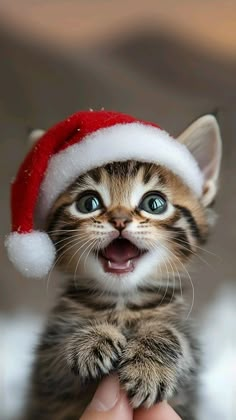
126	224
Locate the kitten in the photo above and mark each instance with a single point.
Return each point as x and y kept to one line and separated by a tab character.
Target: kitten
124	234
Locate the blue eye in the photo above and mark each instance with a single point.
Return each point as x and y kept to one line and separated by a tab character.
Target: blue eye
153	203
88	203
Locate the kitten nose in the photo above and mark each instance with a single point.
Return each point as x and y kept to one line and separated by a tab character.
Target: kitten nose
120	222
119	218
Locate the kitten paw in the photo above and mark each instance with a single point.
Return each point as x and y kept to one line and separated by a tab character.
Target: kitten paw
145	380
95	351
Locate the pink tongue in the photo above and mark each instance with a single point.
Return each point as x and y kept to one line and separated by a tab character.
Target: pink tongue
120	251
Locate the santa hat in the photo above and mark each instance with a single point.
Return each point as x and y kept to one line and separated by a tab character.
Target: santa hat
83	141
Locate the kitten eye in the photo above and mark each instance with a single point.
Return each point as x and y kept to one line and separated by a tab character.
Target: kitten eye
153	203
88	203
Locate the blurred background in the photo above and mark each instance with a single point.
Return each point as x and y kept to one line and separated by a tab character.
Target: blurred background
168	61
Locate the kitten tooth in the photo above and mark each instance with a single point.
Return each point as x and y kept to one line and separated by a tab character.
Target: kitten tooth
109	263
128	263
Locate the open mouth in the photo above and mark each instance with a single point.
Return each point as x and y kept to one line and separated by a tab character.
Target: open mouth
120	256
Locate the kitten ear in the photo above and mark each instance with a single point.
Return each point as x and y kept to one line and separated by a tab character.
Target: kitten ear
203	140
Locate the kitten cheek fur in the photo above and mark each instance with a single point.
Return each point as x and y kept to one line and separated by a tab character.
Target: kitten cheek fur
78	240
142	333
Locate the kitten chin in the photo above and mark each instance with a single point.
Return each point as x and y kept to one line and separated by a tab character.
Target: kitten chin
144	274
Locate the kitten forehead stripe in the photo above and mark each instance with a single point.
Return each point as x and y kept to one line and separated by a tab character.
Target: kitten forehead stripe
95	174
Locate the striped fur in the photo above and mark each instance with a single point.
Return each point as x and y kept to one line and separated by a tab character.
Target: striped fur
135	324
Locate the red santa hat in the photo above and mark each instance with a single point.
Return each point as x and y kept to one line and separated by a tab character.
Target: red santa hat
83	141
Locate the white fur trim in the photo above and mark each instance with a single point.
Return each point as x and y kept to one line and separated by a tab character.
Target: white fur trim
117	143
32	253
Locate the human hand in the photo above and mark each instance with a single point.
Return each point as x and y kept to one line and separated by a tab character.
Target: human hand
110	403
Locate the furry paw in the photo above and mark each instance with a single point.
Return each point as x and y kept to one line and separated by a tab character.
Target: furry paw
95	351
144	377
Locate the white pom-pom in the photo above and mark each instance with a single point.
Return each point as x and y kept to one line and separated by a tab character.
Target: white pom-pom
31	253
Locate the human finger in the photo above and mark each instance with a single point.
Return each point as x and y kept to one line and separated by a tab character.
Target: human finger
108	403
161	411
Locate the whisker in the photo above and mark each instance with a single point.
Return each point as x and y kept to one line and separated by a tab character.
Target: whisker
87	248
198	247
77	236
78	249
167	285
190	280
62	230
190	251
96	246
74	240
173	272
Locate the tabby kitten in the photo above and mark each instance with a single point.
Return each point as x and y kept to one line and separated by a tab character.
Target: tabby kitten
124	234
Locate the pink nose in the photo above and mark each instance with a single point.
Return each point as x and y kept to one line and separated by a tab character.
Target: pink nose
120	222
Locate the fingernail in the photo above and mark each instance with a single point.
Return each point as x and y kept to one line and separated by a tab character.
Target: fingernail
107	394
